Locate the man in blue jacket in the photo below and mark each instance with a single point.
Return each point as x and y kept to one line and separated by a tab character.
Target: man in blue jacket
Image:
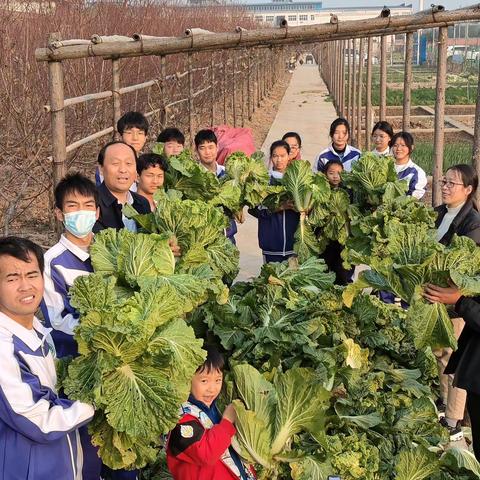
39	437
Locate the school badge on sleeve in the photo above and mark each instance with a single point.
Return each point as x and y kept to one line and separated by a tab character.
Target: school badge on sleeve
186	431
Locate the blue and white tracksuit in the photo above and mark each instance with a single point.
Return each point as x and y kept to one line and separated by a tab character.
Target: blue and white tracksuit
416	177
231	230
276	230
64	262
348	157
39	438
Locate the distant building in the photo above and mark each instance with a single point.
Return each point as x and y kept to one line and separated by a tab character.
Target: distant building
311	12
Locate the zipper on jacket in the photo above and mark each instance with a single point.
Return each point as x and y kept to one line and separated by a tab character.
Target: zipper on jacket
71	457
284	234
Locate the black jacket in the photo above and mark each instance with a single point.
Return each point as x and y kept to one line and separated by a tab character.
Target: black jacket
465	361
111	210
465	224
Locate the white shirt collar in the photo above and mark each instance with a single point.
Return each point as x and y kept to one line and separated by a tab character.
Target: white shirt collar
385	152
24	334
276	174
75	249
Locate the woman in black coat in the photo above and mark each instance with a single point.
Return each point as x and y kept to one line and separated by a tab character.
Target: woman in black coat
458	215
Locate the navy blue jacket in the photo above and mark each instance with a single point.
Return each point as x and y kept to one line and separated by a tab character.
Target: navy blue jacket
276	230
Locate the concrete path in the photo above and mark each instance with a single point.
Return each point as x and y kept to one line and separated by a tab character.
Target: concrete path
305	111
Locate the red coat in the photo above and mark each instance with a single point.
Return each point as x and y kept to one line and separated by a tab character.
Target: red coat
194	453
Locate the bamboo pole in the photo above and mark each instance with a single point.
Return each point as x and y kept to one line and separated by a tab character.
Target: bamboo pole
368	101
242	85
383	77
349	81
224	88
163	92
191	111
234	90
476	139
116	99
250	102
338	65
407	82
439	135
359	95
213	91
354	92
342	79
257	74
207	41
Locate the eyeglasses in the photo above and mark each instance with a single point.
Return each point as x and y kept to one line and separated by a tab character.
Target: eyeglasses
448	183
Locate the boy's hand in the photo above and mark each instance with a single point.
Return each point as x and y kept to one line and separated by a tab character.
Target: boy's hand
174	247
448	296
230	414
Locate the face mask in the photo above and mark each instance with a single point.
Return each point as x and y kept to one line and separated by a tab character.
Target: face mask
80	223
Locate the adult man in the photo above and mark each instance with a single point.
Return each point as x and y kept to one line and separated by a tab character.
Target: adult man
118	165
38	429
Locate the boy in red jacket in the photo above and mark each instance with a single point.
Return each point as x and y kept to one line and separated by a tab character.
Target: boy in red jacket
199	447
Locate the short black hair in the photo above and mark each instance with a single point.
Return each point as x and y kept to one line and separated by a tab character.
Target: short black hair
171	134
205	136
407	137
384	127
333	161
277	144
74	183
294	135
336	123
148	160
21	248
214	361
132	120
103	150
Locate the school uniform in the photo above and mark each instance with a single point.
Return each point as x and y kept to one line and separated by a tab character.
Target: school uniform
276	230
348	157
415	176
199	447
39	438
231	230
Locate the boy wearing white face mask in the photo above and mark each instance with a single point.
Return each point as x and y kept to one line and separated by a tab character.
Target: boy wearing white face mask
76	206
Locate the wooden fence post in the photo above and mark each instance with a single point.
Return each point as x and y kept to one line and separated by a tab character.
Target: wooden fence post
234	89
368	100
360	87
354	93
250	102
349	81
191	127
342	79
213	92
407	82
476	139
224	87
383	77
242	84
439	135
163	92
116	98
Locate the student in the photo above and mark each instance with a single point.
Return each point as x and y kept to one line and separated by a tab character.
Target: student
199	447
38	429
276	230
76	206
151	170
133	129
333	251
173	140
339	148
118	165
457	216
206	147
402	148
382	134
295	143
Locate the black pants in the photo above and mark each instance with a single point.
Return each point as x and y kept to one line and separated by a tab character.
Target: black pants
473	408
